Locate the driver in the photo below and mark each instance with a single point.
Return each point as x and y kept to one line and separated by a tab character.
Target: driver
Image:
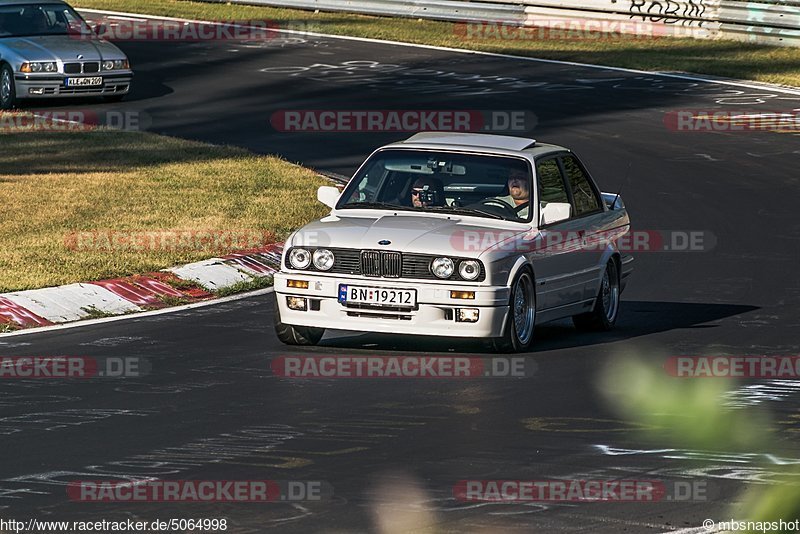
518	193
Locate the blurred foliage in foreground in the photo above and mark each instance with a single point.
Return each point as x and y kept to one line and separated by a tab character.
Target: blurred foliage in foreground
691	413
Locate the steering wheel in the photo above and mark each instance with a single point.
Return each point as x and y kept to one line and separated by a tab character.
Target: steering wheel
508	211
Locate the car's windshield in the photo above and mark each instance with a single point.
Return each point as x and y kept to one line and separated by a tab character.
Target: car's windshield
485	186
30	20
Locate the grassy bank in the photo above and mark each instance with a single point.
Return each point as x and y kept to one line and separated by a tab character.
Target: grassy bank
718	58
75	203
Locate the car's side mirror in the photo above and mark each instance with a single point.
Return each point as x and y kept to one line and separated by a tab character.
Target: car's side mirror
613	201
554	212
100	29
328	195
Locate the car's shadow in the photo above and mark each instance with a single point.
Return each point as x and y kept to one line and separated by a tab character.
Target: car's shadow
637	318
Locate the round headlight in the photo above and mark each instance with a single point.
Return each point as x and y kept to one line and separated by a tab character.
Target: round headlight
36	67
120	64
299	258
442	267
323	259
108	65
469	269
51	67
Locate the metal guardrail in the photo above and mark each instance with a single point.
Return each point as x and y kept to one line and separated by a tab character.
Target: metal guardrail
775	22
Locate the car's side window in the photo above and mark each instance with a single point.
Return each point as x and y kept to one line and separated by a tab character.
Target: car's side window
551	184
366	187
584	195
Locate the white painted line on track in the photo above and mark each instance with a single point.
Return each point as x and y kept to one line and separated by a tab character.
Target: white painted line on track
681	76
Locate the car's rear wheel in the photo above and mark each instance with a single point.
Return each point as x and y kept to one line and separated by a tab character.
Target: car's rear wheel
521	321
296	335
603	316
8	89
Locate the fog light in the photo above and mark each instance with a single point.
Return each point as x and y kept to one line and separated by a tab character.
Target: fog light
36	90
299	284
467	315
462	294
296	303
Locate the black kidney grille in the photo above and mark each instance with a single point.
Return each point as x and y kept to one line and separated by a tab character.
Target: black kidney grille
88	67
391	264
371	263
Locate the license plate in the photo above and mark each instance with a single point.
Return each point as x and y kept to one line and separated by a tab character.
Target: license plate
377	296
82	82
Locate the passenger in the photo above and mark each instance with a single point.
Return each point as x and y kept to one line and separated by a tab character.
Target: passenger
427	191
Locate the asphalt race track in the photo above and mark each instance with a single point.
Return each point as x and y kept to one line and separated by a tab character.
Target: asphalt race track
392	450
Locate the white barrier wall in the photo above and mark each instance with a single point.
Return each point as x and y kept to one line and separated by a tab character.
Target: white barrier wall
775	22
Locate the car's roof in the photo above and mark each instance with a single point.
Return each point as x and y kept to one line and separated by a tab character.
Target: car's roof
498	144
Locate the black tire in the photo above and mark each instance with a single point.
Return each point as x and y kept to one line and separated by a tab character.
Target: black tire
605	311
8	89
295	335
521	321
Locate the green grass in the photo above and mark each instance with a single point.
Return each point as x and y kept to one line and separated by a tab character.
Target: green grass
56	184
94	313
247	285
719	58
174	301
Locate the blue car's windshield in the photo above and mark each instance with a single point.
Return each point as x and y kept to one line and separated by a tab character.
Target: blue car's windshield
496	187
31	20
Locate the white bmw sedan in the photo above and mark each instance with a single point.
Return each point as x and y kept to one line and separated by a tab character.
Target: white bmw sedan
464	235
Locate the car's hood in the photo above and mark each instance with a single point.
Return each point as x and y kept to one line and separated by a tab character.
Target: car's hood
426	234
64	47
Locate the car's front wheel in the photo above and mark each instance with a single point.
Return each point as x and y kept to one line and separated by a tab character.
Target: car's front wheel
521	320
603	316
8	89
295	335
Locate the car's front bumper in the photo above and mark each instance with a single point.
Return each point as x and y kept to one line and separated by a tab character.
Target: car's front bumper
435	313
54	86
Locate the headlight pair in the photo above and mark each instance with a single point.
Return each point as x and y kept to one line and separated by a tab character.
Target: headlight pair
445	267
40	66
300	258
